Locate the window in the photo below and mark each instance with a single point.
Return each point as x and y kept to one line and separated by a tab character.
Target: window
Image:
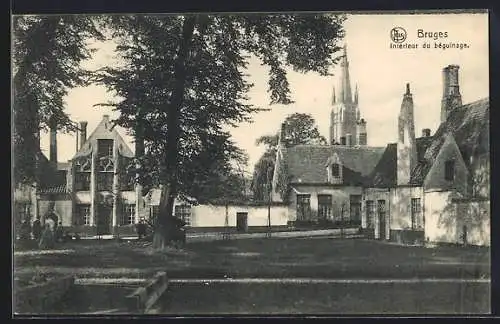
82	215
303	207
104	147
184	212
362	139
324	206
355	209
82	181
127	182
449	170
335	170
105	181
128	215
342	140
416	211
370	213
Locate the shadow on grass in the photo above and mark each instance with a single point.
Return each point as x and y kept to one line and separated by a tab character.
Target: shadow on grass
275	257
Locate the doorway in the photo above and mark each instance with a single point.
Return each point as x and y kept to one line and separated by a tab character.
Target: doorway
241	222
381	218
104	214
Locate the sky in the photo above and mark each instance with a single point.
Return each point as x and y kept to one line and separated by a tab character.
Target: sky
380	72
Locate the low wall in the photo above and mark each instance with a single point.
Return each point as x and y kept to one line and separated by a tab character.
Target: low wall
473	221
457	221
215	215
407	236
39	298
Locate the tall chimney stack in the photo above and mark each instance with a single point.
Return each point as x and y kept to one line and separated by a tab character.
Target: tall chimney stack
83	133
361	132
53	139
451	91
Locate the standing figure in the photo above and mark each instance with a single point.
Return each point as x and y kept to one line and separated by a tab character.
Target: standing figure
58	233
25	230
141	228
37	229
47	240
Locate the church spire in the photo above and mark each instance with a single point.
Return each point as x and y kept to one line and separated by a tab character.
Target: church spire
345	94
334	100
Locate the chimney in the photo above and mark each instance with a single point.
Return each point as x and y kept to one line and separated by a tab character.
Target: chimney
451	91
83	133
53	139
361	132
282	135
426	132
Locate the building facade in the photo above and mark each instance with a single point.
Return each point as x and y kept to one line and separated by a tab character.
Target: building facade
97	193
432	188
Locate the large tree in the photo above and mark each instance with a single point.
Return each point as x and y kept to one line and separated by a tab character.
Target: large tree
183	80
46	54
300	129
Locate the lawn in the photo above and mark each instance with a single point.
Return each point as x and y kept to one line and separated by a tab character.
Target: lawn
355	298
309	258
259	258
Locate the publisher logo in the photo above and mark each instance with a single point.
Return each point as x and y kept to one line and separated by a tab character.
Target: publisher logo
398	34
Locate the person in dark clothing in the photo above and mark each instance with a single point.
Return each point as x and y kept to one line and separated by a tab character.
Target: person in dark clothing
25	230
141	228
58	233
37	229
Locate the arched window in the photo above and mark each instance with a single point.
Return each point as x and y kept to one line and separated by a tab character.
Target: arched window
83	169
105	174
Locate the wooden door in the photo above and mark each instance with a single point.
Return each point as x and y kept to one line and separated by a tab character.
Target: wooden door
381	218
241	222
104	215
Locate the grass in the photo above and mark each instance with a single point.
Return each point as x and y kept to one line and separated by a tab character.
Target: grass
275	257
275	298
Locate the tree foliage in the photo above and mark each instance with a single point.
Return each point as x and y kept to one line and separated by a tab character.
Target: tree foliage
299	129
46	52
182	80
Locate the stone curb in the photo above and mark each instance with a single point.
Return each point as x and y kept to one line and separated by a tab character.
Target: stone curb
143	298
296	234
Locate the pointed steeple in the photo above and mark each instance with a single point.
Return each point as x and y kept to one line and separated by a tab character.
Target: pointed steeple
406	146
345	94
334	99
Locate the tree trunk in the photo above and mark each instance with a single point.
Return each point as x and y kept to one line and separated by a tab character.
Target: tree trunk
164	230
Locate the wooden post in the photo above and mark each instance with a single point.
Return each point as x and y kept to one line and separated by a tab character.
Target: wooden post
269	191
226	224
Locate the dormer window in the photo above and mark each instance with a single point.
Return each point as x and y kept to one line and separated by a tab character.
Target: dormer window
335	170
449	170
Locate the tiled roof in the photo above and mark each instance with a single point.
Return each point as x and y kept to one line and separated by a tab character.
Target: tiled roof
49	175
384	174
53	190
469	125
307	163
